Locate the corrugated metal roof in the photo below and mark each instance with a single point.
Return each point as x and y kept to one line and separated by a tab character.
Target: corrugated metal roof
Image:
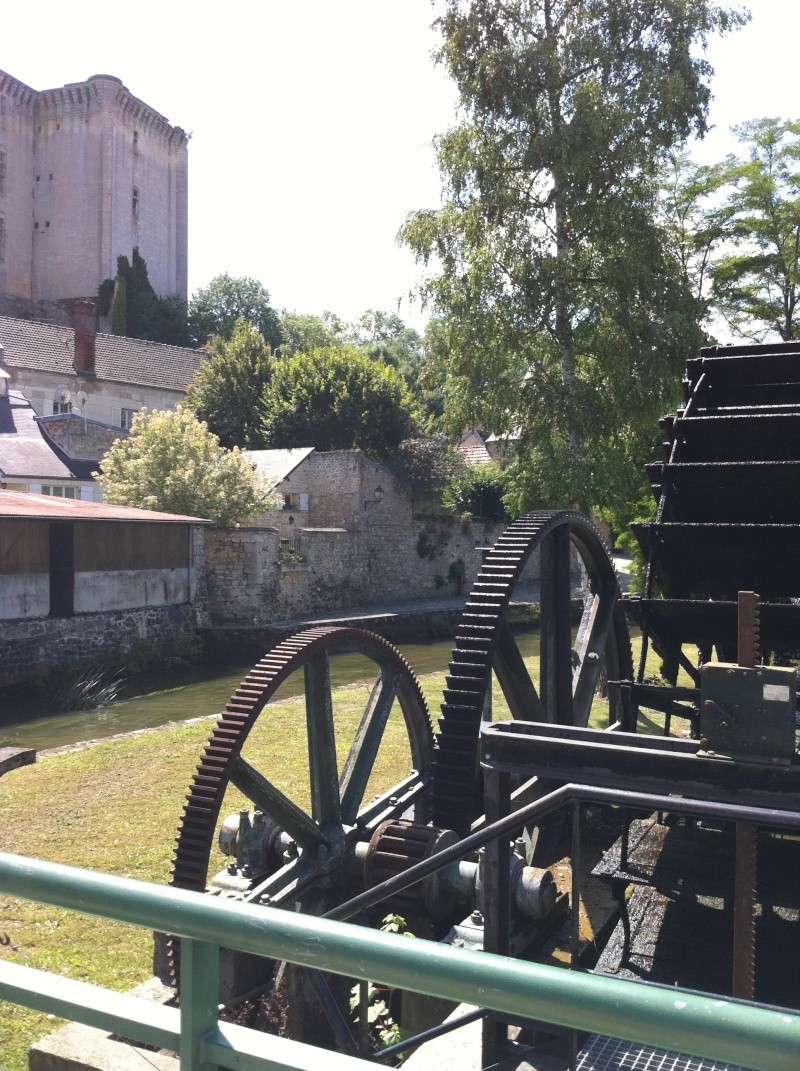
24	451
43	507
51	348
273	466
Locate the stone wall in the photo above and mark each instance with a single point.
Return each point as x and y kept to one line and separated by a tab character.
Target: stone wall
254	580
49	312
79	437
343	489
33	649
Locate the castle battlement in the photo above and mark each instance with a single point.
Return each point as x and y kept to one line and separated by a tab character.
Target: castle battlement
88	172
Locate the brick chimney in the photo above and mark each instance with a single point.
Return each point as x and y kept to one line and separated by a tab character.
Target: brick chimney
84	318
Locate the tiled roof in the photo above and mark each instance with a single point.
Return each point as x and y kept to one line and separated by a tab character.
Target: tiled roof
24	451
473	449
51	347
21	504
273	466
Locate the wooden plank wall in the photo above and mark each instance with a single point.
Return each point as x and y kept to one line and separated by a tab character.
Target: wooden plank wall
108	546
24	546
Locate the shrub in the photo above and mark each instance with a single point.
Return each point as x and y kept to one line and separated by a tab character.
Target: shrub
478	493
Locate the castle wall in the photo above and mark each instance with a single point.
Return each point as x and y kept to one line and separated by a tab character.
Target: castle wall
92	173
16	166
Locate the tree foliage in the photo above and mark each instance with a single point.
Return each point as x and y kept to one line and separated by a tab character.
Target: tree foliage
229	385
217	308
137	311
478	492
566	317
756	281
336	399
172	462
695	221
303	332
428	464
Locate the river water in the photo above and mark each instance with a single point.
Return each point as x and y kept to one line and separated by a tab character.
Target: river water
180	696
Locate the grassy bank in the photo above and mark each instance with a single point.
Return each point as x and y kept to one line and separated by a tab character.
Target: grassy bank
114	807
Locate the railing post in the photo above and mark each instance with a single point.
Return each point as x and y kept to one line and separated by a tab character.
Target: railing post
199	1001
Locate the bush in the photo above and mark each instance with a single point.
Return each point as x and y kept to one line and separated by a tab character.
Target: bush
478	493
428	464
172	462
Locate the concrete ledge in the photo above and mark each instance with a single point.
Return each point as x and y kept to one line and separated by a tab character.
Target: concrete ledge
84	1048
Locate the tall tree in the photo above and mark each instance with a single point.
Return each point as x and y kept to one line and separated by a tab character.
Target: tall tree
228	387
217	308
696	220
336	399
567	317
757	282
137	311
303	332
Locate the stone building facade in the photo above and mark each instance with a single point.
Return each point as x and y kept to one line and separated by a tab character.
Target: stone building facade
88	172
105	378
331	489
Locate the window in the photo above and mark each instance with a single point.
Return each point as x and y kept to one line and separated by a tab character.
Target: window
295	501
62	407
136	141
3	162
135	202
55	491
126	419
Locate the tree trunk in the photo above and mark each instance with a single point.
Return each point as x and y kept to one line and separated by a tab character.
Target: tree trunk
566	342
563	317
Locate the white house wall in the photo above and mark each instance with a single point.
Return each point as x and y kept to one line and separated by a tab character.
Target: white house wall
24	595
104	402
129	589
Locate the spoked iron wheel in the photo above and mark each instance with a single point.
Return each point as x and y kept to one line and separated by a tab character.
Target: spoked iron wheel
486	649
290	854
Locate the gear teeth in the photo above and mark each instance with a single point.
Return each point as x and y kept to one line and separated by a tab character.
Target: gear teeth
197	823
744	911
457	796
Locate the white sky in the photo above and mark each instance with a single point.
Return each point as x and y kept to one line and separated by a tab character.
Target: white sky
312	122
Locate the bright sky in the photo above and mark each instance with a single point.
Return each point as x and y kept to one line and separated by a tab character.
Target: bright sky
312	122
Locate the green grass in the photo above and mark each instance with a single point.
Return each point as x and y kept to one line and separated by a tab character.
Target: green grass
114	807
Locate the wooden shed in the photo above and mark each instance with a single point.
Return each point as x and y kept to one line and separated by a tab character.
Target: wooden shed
60	557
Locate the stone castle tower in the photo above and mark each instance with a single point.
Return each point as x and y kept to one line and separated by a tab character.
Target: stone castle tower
87	173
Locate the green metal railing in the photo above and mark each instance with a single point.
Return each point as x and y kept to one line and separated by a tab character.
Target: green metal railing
717	1028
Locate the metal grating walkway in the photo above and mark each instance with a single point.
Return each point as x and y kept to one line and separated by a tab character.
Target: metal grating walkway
612	1054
